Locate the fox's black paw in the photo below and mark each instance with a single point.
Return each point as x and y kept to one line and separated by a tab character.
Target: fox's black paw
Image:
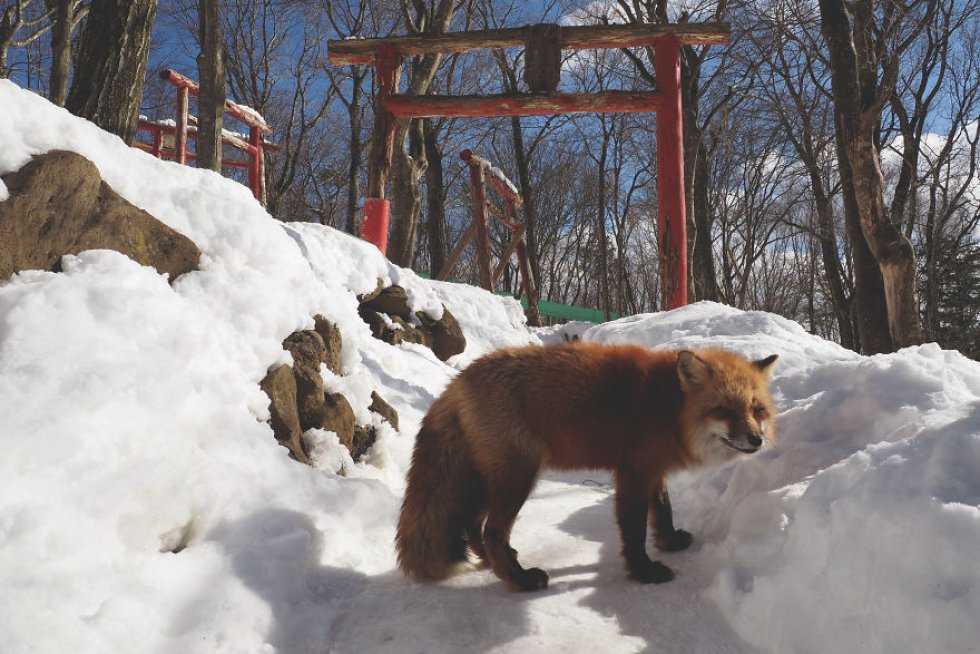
675	541
651	572
532	579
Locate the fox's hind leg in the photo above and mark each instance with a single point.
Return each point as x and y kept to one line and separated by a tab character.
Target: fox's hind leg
474	536
666	537
506	497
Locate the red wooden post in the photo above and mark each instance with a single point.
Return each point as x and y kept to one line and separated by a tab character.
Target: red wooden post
180	139
374	222
254	167
157	143
672	223
263	193
481	222
527	275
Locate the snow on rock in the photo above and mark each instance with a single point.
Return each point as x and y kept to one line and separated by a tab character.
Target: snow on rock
145	505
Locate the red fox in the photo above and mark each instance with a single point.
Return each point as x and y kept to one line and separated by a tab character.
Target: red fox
638	412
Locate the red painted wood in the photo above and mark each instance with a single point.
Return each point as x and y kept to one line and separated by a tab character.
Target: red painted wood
255	161
238	144
386	74
672	224
232	109
180	140
157	143
374	226
503	189
480	219
516	104
383	137
184	130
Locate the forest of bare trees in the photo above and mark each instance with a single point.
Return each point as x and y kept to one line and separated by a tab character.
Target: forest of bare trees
831	147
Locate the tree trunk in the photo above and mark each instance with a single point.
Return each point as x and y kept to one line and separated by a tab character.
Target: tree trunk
690	73
108	84
891	249
702	257
831	263
408	167
604	297
869	307
409	163
211	101
435	186
356	151
60	51
858	106
527	194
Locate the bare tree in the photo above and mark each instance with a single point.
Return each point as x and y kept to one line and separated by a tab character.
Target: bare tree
409	162
67	15
22	22
108	83
349	19
211	74
794	88
864	63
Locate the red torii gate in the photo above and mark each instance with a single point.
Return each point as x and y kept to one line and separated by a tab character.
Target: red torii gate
543	45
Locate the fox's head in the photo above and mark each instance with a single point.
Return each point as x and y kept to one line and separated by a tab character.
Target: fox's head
727	409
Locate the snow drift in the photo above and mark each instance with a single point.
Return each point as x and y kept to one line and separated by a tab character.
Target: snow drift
145	505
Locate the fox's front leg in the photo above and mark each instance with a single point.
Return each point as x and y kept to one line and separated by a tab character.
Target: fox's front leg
666	537
632	504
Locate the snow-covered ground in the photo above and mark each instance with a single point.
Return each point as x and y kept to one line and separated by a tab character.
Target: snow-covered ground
131	424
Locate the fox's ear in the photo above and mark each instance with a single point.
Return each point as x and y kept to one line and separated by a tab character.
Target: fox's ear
765	365
692	370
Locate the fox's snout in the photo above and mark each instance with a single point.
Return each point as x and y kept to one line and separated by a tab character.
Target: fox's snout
747	442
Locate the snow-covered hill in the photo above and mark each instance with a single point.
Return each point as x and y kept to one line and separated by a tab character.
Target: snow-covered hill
131	423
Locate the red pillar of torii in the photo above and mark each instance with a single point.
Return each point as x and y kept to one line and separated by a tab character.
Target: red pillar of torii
543	45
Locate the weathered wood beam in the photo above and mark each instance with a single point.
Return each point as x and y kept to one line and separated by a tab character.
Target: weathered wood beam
518	104
573	37
457	252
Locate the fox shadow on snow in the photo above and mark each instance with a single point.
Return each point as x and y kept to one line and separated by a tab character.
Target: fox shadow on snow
317	608
668	617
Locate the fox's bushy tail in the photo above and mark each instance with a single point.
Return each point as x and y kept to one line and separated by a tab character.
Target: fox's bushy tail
443	498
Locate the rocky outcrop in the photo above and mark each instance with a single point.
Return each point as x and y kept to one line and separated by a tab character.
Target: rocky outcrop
308	351
280	385
59	205
387	312
298	401
383	409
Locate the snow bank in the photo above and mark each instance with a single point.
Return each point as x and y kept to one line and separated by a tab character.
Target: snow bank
854	533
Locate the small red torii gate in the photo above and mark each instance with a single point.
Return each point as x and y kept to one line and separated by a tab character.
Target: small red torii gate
185	129
543	45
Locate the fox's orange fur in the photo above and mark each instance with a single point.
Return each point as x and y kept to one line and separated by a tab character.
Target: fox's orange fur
637	412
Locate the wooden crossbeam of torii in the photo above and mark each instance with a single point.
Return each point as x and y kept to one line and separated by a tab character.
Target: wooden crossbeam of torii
543	45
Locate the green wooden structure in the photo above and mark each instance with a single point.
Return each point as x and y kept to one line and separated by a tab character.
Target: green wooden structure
552	309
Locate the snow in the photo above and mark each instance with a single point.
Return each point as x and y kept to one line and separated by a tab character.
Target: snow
145	505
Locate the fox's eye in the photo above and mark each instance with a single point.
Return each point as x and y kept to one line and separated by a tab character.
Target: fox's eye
721	413
760	412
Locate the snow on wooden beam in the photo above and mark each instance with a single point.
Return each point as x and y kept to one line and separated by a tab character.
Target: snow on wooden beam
518	104
240	112
573	37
